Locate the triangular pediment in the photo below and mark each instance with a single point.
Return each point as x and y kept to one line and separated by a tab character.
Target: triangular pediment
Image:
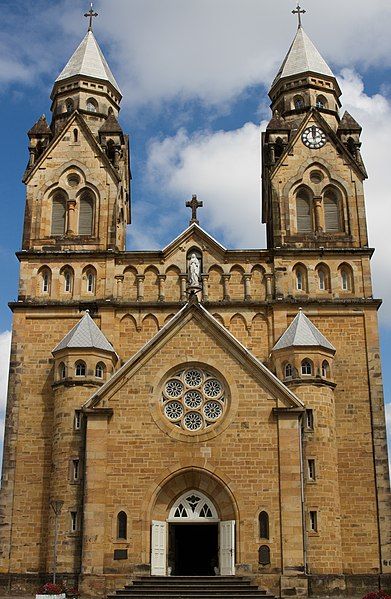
314	117
195	234
172	333
74	120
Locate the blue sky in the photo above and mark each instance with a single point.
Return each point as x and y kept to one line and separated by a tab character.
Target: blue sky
195	75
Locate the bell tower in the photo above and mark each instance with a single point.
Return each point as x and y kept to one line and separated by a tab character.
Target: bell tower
312	168
78	174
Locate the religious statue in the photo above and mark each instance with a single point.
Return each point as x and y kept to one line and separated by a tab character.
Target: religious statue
194	271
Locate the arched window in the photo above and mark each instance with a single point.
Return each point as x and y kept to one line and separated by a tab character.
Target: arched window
263	520
288	371
75	135
68	281
325	369
303	211
86	213
331	206
80	368
300	274
122	526
298	102
346	278
92	105
58	215
306	367
321	102
99	370
323	277
46	280
69	105
90	281
264	555
110	110
62	371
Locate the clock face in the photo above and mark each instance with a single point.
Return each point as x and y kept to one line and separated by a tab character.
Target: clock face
313	137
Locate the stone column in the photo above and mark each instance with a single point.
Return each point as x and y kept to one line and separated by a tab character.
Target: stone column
205	279
269	285
318	213
120	285
161	279
71	220
183	280
247	286
140	287
226	278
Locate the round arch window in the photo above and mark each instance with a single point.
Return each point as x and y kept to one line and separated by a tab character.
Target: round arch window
193	399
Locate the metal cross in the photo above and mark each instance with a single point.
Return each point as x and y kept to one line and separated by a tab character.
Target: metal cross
194	204
299	11
91	14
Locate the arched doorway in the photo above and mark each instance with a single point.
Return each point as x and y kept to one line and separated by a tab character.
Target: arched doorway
195	532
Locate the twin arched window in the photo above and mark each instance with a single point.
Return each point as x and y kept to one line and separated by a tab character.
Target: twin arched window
306	367
305	218
86	205
80	368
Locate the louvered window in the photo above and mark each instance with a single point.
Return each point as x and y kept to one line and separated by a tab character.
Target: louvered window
86	215
303	212
58	215
331	212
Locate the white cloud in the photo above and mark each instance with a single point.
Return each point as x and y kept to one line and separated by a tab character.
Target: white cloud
5	347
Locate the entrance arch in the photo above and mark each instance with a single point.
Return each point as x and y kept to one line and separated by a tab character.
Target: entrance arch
193	526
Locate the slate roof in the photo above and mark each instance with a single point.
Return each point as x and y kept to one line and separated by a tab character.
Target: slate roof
111	125
348	123
41	127
302	332
88	60
85	334
302	57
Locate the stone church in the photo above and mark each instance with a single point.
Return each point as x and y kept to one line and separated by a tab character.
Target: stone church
196	411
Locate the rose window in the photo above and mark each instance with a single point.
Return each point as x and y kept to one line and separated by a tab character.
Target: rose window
193	399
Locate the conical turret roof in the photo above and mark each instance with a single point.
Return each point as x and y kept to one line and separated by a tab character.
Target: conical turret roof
41	127
88	60
85	334
302	332
302	57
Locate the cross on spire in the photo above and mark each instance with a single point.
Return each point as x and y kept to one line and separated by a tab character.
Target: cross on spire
91	14
194	204
299	11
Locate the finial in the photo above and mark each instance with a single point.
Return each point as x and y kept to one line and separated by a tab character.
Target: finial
299	11
194	204
91	14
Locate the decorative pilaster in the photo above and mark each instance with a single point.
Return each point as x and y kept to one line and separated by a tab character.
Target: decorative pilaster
120	285
318	213
140	287
205	278
226	278
71	220
269	285
161	279
247	286
183	280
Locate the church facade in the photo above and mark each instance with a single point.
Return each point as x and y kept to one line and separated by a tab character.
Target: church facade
196	410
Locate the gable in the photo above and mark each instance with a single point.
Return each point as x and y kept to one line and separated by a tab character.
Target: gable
194	336
81	149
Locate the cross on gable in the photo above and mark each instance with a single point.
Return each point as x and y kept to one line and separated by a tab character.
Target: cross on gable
91	14
194	204
299	11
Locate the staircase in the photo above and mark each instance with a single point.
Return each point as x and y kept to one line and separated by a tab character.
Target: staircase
191	587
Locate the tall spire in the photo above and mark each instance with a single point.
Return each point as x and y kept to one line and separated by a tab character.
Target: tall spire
88	60
302	57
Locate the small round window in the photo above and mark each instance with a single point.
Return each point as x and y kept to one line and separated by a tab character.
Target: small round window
193	399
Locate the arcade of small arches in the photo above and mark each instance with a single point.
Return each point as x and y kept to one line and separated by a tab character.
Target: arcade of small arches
322	212
81	369
306	369
152	285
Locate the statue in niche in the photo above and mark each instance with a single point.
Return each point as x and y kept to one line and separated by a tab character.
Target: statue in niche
194	270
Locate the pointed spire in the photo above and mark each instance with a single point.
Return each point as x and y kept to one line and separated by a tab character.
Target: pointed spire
88	60
40	129
85	334
348	123
303	332
111	125
302	57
